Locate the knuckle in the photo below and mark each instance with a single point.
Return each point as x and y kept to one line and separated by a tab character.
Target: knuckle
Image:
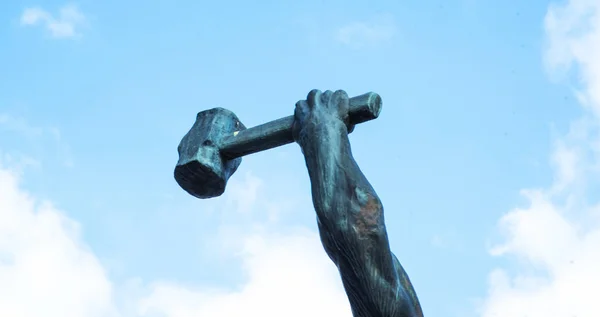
313	96
341	94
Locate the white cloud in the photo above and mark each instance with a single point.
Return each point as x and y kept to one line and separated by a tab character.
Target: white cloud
555	241
65	25
284	273
362	34
47	270
284	268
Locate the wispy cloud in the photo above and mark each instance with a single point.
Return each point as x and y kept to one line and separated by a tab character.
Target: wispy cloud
64	25
20	126
32	133
556	238
366	33
447	240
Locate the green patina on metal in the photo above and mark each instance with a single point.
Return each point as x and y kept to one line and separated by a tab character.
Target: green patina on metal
349	213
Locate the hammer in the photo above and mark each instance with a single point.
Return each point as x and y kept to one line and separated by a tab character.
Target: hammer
213	148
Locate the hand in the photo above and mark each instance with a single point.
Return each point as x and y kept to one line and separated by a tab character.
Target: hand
321	110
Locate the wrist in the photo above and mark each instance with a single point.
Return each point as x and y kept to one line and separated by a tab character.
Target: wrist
329	134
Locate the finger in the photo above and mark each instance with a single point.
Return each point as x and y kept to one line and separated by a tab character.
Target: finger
326	96
314	96
299	107
340	98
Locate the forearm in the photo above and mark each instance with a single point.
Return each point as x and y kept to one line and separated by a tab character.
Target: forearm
351	222
337	182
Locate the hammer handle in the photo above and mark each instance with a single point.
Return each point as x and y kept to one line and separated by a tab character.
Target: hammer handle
279	132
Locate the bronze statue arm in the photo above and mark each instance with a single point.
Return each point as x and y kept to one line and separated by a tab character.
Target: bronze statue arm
349	212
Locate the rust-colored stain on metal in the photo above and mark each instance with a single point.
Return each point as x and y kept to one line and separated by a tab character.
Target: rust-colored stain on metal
369	217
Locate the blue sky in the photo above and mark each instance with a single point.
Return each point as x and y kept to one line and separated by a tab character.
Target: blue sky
485	155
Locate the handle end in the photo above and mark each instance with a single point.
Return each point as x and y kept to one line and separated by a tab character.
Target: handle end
365	107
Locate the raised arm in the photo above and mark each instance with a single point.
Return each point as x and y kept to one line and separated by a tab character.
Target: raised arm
349	213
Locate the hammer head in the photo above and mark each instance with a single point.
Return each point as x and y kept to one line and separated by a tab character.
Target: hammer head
201	170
